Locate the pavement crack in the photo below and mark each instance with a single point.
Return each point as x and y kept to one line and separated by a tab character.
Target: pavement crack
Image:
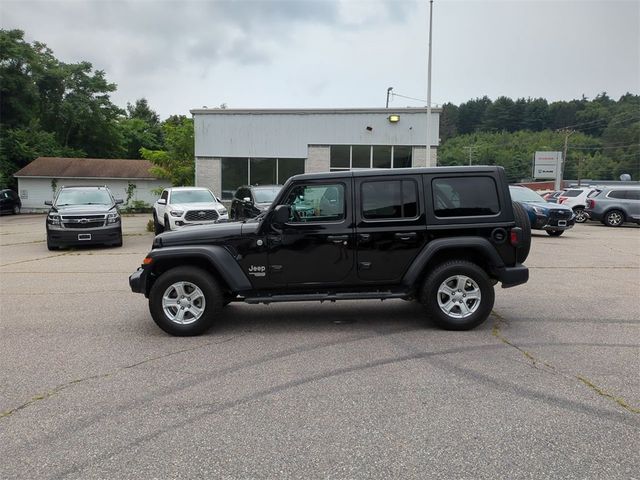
539	364
56	390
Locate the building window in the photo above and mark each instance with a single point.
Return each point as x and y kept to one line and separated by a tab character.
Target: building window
257	171
353	157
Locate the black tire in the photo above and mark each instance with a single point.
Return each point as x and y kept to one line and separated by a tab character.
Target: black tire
157	228
51	246
16	210
167	225
581	215
555	233
209	297
614	218
118	243
443	276
522	221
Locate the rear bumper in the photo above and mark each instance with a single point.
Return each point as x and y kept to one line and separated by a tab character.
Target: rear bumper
512	276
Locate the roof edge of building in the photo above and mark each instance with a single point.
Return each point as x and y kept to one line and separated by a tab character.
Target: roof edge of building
303	111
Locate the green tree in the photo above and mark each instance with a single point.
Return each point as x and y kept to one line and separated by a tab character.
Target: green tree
140	128
176	162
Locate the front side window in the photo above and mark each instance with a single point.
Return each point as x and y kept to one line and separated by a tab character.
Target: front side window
465	196
633	194
316	203
617	194
389	199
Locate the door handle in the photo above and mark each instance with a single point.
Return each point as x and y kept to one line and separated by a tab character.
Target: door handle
338	238
406	236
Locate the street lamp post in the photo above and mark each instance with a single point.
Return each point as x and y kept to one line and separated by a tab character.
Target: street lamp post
388	92
428	160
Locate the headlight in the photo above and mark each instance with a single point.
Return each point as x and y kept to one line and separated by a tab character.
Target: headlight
222	211
176	213
53	219
113	217
539	210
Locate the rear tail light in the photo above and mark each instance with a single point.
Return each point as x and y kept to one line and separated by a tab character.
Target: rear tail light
591	203
514	236
562	199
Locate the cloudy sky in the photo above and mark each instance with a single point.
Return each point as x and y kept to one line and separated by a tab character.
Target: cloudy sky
339	53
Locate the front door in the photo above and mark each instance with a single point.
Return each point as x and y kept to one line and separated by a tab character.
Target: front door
316	245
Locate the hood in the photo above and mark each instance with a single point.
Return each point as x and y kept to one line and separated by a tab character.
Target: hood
549	206
82	209
195	206
215	233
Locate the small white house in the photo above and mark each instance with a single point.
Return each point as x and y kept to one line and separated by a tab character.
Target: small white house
127	179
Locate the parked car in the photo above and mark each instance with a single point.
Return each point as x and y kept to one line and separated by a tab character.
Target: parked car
576	198
251	201
10	202
83	216
550	217
179	207
440	236
614	206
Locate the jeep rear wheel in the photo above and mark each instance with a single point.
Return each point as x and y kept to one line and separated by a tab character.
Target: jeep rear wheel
458	295
185	301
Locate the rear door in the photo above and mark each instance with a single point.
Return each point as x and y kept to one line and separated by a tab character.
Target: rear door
390	226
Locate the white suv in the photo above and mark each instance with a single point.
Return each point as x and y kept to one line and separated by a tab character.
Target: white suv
576	199
181	206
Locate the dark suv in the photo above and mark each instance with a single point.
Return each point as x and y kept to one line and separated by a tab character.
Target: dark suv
251	201
83	216
442	236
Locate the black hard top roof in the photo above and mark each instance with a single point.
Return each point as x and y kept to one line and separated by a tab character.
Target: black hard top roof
379	172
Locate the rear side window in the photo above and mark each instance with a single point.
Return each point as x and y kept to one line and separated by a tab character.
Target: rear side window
633	194
617	194
571	193
389	199
594	193
465	196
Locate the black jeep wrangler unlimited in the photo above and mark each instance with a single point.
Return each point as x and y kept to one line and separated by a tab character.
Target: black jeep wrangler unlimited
443	236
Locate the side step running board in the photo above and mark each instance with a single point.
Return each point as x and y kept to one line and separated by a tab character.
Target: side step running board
330	297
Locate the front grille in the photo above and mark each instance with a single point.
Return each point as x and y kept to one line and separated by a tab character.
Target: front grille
201	215
560	214
83	221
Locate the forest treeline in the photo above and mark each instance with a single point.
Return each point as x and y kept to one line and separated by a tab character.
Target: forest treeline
52	108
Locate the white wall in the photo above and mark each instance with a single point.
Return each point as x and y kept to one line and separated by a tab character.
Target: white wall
35	191
288	133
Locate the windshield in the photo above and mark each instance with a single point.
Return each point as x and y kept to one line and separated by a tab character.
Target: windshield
265	195
521	194
76	196
192	196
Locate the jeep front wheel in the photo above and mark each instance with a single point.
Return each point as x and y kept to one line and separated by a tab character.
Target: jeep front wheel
458	295
185	301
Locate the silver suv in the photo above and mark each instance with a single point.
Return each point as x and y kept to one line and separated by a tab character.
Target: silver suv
614	206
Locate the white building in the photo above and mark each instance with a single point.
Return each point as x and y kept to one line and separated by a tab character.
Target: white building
259	147
38	181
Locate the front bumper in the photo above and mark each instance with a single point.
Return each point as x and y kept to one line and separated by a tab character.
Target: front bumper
512	276
138	281
545	223
84	236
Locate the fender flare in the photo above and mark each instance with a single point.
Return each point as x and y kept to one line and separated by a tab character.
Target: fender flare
215	256
435	246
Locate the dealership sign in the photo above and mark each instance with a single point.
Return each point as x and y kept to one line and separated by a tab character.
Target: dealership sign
547	165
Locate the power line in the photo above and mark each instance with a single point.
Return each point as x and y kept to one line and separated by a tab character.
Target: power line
574	147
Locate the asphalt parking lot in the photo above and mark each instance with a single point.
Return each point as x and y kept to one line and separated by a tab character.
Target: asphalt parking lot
90	388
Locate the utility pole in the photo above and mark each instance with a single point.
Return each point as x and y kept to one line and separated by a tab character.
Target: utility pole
470	150
388	92
428	161
560	173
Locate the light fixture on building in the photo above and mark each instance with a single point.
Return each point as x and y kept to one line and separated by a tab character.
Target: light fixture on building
394	118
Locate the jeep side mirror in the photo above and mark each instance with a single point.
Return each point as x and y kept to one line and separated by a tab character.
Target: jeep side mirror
119	201
281	214
162	201
48	202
